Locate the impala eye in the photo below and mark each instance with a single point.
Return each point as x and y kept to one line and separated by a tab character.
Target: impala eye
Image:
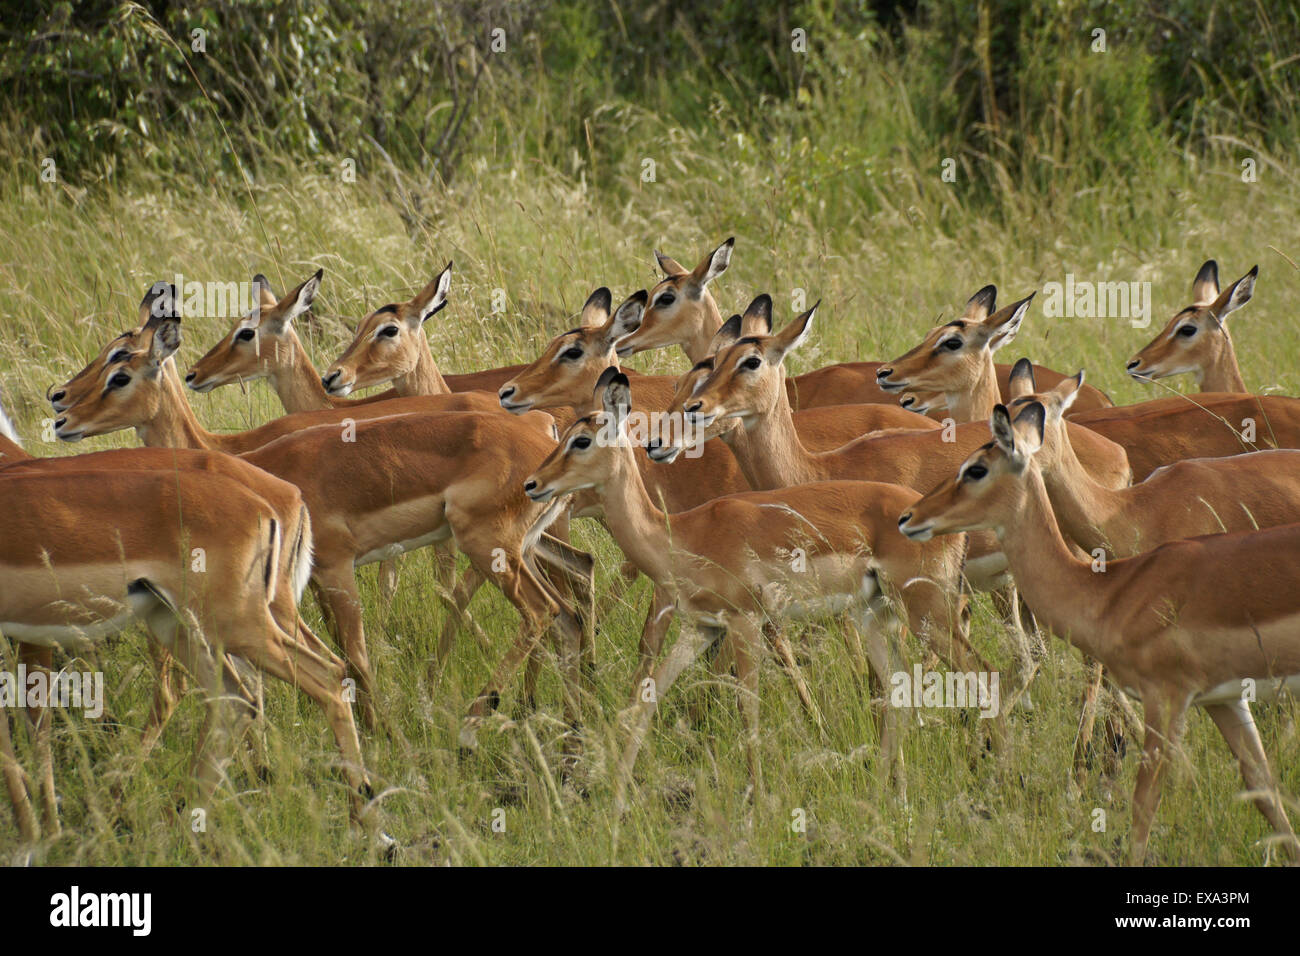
951	345
572	354
582	441
245	335
1187	331
389	331
752	363
974	473
665	300
120	380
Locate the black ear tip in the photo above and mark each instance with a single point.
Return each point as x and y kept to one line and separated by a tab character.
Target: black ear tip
319	273
448	269
731	241
1254	271
1022	366
641	296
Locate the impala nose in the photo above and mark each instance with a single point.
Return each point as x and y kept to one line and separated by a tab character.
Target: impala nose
505	393
907	516
58	396
694	407
883	373
330	380
530	485
1133	364
190	377
59	423
907	401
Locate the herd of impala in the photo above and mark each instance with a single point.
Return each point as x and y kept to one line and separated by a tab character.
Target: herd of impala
1161	538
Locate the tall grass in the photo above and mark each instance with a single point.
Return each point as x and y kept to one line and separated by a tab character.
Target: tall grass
837	194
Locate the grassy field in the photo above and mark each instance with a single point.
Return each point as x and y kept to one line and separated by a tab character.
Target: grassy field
75	259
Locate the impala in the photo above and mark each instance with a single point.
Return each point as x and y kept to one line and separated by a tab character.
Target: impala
568	370
957	359
681	311
1196	340
727	564
86	552
746	384
1183	624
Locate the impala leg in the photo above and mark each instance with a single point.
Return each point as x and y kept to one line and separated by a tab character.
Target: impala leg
690	644
1162	723
1237	725
16	783
462	593
1007	602
747	643
658	620
305	662
1087	719
336	586
885	657
781	644
386	577
42	721
168	684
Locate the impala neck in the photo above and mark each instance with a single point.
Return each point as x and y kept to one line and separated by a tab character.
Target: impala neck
1223	375
697	339
424	379
295	379
976	403
1061	590
770	453
637	525
174	425
1084	507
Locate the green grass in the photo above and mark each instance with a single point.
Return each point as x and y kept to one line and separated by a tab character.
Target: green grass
75	260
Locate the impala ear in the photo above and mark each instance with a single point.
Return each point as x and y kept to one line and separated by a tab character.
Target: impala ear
1021	380
1205	287
1067	390
713	265
616	395
1000	328
299	300
757	319
1236	296
1003	435
432	299
793	335
726	336
981	304
670	266
164	340
266	297
1028	428
626	318
595	311
159	302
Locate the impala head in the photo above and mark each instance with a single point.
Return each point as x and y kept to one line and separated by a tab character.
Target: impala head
590	449
161	296
389	342
731	331
129	392
990	488
260	343
680	305
1056	401
568	369
952	359
748	377
1196	339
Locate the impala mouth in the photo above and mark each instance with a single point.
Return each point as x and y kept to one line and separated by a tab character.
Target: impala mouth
625	351
516	408
202	387
659	452
886	386
923	532
70	436
339	391
538	494
702	421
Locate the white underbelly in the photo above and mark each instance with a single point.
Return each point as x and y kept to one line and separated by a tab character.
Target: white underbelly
389	551
69	637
